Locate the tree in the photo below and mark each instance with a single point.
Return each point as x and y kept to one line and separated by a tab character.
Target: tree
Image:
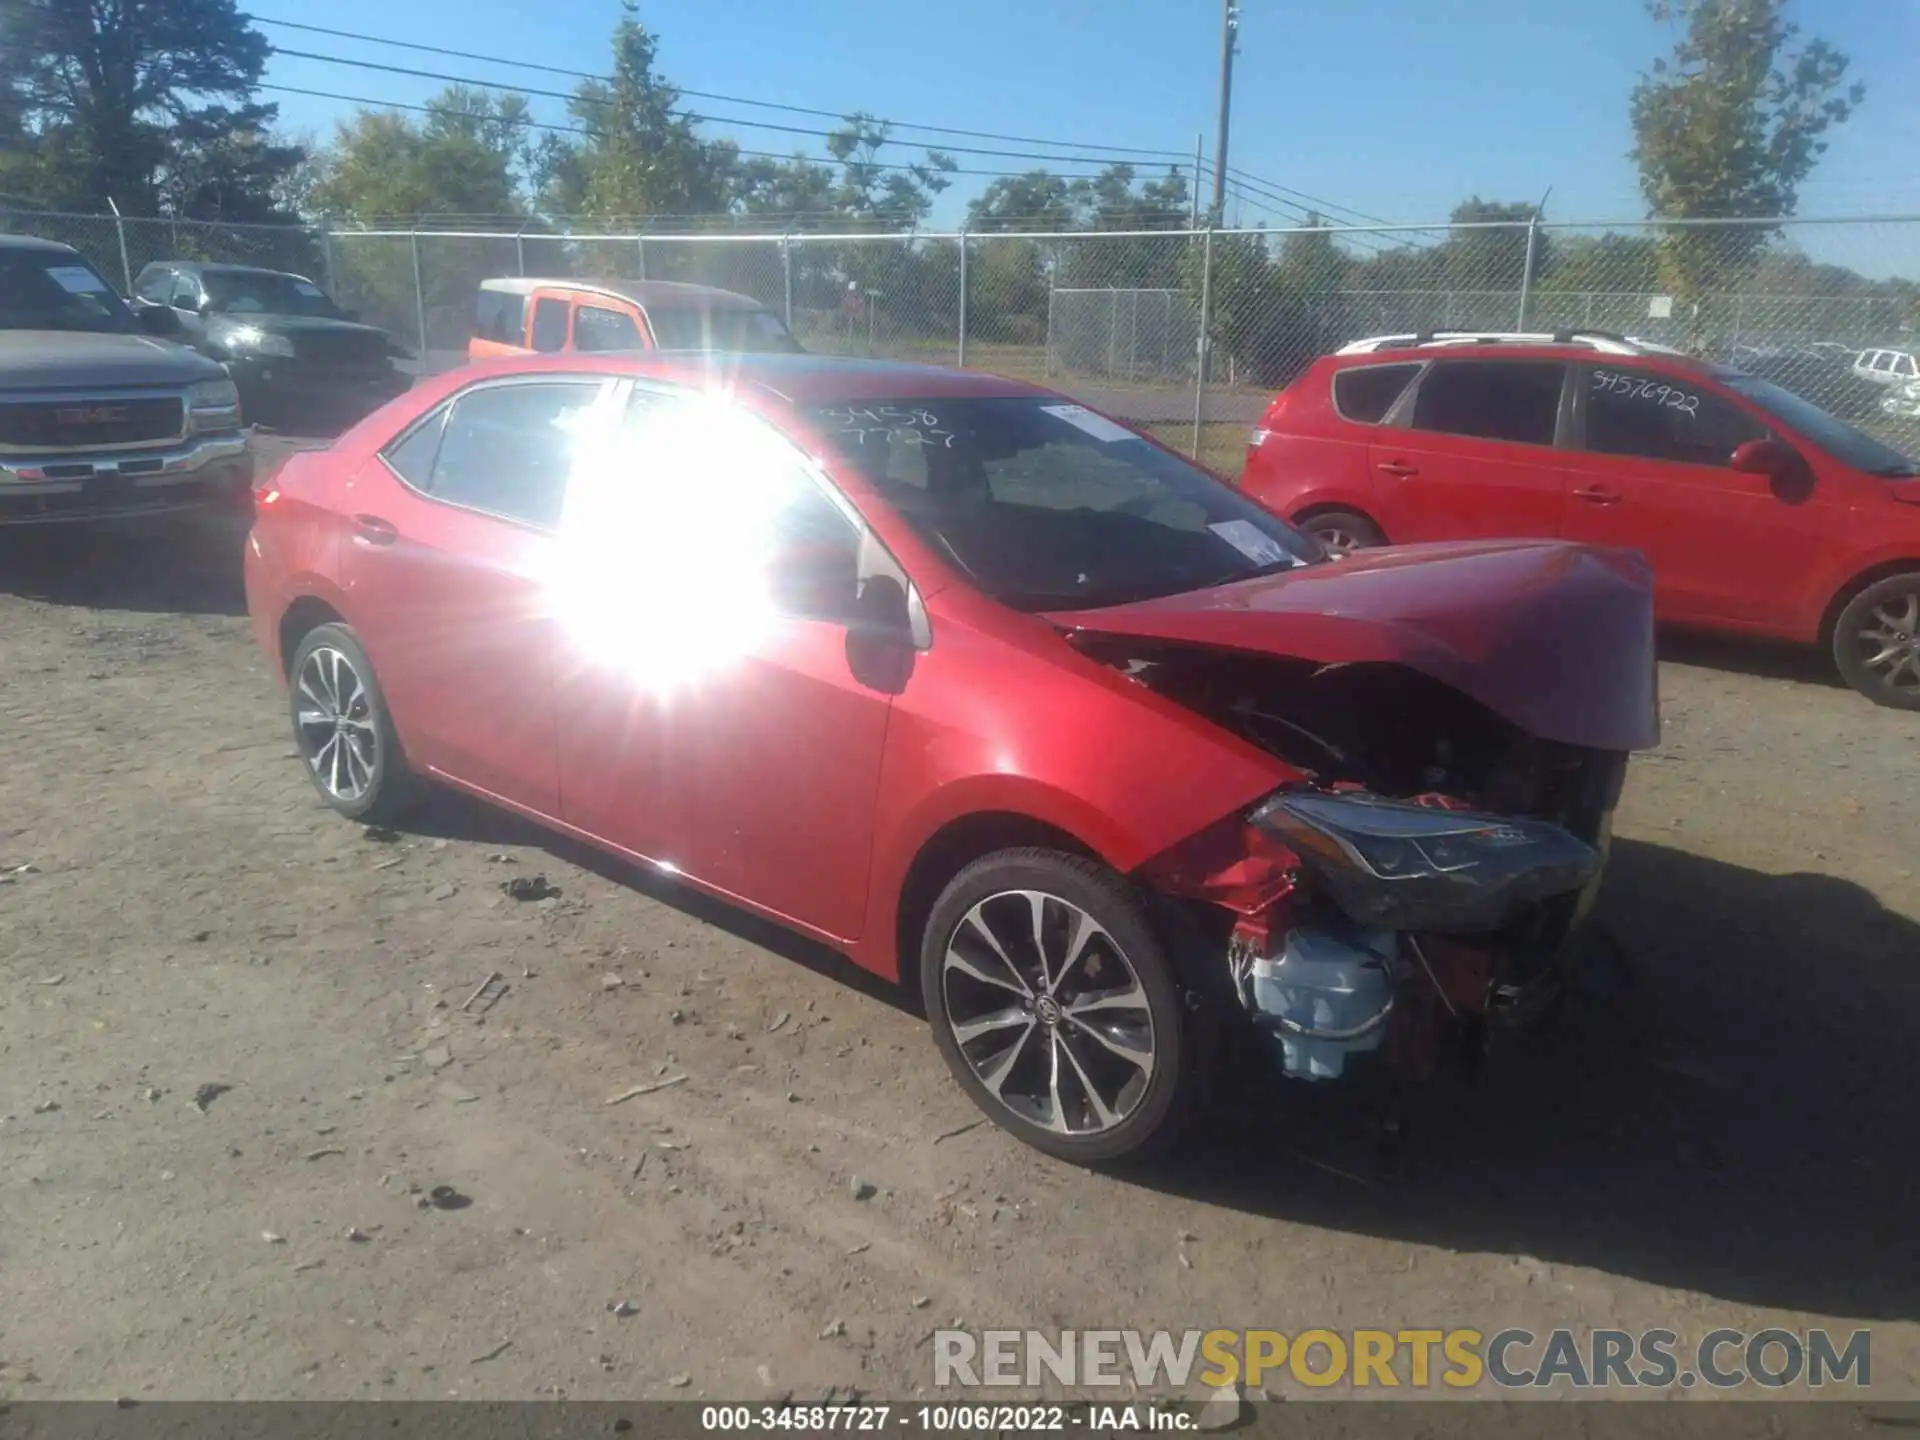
1729	127
148	103
1037	200
1490	259
641	155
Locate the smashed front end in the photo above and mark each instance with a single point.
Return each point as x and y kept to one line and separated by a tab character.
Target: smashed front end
1420	882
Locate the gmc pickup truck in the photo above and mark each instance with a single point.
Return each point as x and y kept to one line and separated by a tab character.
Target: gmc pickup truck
102	415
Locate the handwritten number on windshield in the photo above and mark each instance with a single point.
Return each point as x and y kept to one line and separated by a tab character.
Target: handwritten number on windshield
1641	387
890	424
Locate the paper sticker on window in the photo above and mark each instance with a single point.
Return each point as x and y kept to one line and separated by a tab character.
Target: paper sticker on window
1251	541
77	280
306	287
1098	426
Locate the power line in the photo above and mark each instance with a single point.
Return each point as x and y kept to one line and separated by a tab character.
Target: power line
1146	156
533	124
1149	154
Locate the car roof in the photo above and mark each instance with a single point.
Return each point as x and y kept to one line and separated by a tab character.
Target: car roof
34	242
215	267
665	294
800	380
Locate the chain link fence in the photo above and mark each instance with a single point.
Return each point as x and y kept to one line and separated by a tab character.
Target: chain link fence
1188	332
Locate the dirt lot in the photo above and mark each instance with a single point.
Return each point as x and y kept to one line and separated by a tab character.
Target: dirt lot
1731	1141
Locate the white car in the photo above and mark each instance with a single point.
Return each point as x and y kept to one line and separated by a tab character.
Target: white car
1886	367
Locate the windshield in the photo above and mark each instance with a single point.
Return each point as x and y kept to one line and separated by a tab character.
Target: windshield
49	290
1833	435
262	292
750	332
1050	506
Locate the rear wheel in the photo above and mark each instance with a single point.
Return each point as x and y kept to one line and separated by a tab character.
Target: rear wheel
1343	531
343	731
1055	1006
1876	641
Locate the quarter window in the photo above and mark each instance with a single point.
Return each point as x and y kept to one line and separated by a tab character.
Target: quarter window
1658	417
1516	400
549	326
1367	392
508	449
155	286
186	293
411	457
596	328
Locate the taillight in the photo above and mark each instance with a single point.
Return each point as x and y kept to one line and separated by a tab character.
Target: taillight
267	496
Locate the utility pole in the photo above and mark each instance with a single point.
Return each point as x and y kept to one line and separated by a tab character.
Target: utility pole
1229	27
1198	142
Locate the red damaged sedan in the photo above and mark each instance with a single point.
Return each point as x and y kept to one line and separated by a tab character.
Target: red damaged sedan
983	689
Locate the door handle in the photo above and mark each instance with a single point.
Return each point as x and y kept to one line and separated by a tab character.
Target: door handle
1397	468
372	530
1596	495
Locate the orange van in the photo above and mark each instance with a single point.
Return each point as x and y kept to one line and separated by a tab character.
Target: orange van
518	316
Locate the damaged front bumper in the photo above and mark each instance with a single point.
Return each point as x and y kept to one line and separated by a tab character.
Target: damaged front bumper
1366	924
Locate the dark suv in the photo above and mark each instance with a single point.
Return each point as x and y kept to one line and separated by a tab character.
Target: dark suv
297	357
1761	512
101	414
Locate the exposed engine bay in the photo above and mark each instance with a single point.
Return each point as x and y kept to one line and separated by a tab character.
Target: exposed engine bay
1419	882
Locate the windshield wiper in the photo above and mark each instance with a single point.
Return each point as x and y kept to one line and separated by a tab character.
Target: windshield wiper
1896	472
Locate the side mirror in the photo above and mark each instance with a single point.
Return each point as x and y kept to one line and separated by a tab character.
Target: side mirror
882	610
157	320
205	307
1764	457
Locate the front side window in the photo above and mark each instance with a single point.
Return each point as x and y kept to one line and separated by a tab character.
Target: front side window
1846	444
596	328
549	325
1367	392
1651	416
1513	400
57	290
1046	505
508	449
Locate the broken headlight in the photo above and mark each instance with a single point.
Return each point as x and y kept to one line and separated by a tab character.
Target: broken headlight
1401	866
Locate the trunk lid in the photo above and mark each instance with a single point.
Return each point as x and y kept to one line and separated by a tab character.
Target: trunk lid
1556	637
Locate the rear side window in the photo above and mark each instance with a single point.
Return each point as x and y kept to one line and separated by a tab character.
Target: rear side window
596	328
502	317
549	325
1513	400
411	456
508	449
1366	393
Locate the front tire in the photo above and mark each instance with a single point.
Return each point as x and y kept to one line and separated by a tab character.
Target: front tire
1876	642
1055	1006
343	730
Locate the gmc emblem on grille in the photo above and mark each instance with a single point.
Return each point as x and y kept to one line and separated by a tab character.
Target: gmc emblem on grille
94	415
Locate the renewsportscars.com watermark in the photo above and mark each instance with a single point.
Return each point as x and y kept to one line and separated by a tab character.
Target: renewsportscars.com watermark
1457	1359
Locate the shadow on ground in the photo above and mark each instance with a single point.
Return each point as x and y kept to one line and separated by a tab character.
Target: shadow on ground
1739	1120
1739	1115
448	815
1768	659
185	564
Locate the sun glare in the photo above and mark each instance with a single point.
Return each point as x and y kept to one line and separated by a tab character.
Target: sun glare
664	564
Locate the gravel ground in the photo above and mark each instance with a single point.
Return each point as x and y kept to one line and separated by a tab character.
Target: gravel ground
237	1057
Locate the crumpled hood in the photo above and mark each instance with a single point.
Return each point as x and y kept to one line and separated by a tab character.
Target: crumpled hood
1556	637
78	360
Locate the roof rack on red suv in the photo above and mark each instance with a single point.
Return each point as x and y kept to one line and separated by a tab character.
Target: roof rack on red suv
1604	342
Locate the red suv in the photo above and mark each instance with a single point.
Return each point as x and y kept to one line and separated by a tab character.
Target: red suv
1760	512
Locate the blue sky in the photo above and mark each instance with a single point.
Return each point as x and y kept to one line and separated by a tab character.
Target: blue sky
1398	108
